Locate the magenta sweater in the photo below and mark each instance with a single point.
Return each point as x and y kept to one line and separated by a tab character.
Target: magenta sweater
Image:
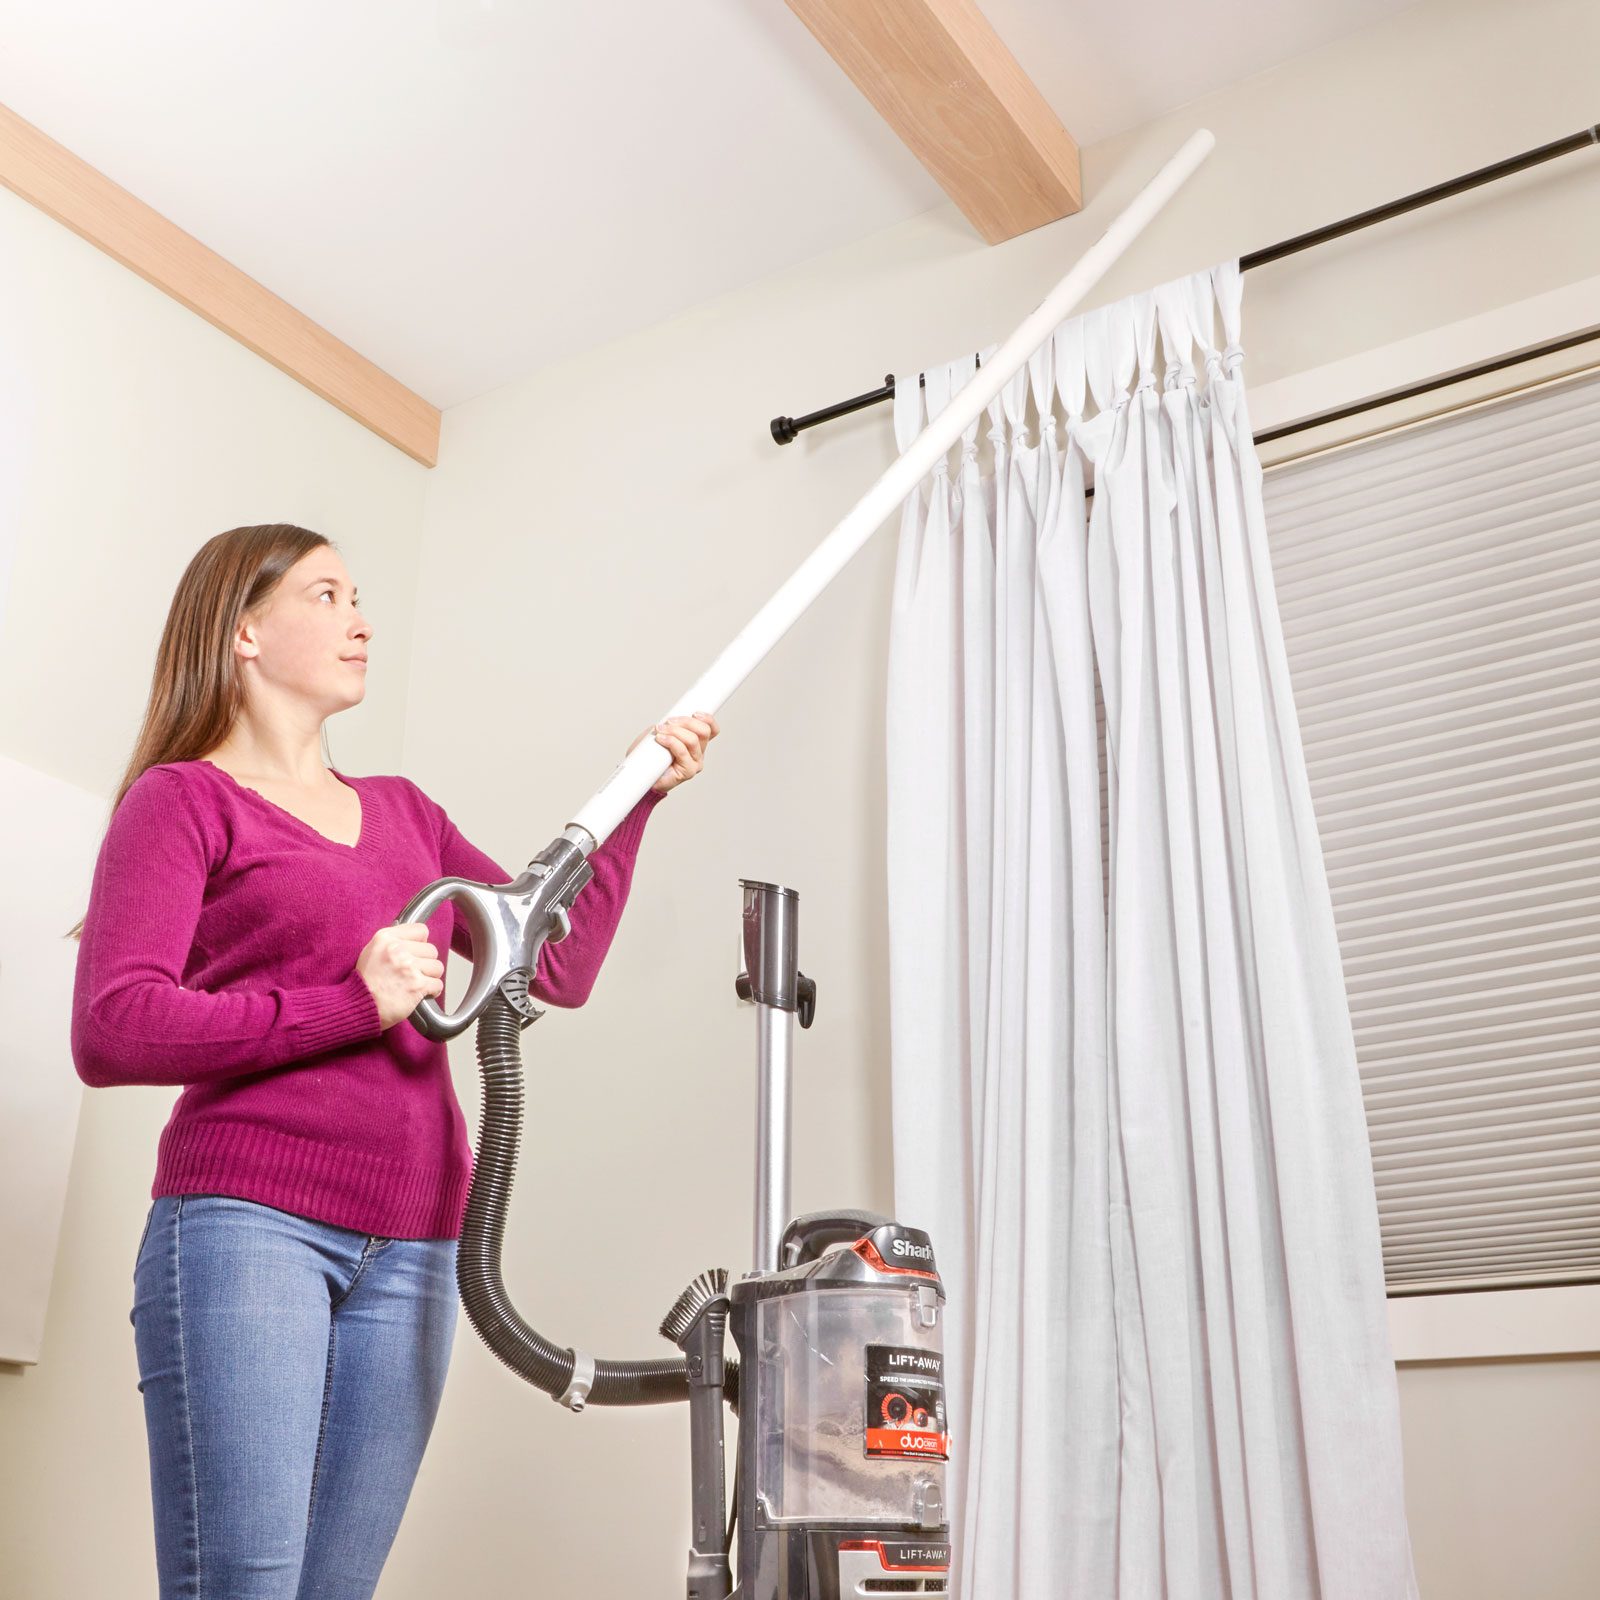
219	952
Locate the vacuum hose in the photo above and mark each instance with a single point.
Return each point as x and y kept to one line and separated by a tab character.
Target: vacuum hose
483	1294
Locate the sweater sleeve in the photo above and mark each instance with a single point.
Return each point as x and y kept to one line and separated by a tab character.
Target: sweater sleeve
132	1019
566	972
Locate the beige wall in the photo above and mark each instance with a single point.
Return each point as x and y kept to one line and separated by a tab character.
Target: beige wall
1502	1476
130	432
592	536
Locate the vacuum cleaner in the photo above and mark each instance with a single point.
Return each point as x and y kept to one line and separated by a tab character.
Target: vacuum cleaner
838	1384
839	1381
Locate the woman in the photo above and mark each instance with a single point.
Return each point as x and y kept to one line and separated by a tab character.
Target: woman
294	1290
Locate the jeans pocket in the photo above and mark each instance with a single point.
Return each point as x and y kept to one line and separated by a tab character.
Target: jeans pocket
138	1255
149	1217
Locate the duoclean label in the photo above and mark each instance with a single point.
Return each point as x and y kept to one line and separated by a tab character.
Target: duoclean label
905	1403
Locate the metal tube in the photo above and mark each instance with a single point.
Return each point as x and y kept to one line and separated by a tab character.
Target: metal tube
786	428
1586	139
637	772
770	926
776	1054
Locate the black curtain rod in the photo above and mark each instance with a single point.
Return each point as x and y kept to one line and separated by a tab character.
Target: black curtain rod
786	428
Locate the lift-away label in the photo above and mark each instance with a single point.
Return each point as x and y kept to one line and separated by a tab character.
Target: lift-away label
905	1402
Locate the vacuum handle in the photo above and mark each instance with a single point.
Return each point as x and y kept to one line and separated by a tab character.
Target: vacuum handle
807	1237
492	956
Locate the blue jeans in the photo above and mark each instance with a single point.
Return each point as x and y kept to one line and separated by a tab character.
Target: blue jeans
291	1372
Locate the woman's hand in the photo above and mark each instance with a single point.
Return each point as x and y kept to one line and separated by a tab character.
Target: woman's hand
400	968
686	738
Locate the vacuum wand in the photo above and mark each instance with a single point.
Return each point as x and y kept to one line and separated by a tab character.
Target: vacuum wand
510	922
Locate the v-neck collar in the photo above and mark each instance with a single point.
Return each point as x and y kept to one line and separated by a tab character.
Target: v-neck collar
363	798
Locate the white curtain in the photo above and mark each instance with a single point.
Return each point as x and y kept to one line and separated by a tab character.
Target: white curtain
1125	1094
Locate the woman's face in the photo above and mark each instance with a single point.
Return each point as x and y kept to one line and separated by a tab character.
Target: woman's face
310	639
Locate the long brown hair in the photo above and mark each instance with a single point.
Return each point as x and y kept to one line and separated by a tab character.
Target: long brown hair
195	694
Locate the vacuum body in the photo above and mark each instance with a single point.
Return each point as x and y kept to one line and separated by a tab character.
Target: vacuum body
838	1381
843	1436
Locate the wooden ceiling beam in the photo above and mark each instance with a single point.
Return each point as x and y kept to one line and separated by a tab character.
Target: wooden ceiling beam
941	78
48	175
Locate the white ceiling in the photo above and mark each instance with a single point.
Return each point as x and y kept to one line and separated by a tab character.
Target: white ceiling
465	190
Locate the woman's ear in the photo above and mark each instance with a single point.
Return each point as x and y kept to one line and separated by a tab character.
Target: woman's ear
245	643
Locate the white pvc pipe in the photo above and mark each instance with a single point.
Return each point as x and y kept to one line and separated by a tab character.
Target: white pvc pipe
638	771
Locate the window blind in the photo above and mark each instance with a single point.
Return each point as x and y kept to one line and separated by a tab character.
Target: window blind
1440	595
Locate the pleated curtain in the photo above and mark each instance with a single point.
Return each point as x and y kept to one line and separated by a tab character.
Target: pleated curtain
1125	1094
